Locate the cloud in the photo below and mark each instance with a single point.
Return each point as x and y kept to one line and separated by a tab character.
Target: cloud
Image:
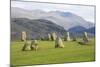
87	12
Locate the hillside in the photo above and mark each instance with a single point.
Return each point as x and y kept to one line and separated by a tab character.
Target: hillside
80	29
34	28
64	19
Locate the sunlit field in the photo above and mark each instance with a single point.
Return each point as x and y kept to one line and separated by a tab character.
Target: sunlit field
48	54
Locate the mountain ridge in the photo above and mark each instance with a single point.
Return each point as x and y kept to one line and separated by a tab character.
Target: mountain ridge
65	21
34	28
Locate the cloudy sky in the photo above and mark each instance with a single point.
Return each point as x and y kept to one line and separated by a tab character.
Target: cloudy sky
87	12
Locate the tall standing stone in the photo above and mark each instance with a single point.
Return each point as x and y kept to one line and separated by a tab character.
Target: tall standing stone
85	37
49	36
67	37
26	46
53	36
34	45
59	43
23	36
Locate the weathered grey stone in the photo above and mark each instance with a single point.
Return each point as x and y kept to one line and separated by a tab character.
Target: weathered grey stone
59	43
34	45
85	37
26	46
53	36
49	36
67	37
23	36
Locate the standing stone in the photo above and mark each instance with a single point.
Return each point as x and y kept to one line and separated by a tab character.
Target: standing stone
67	37
85	37
49	37
59	43
23	36
34	45
53	36
26	46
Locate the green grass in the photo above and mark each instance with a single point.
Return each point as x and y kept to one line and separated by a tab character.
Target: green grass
47	54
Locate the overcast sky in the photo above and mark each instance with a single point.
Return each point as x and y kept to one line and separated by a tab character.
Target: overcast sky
87	12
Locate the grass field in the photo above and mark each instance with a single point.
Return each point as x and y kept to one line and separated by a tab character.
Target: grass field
47	54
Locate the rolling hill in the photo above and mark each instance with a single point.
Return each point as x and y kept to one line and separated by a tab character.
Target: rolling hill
39	22
35	28
64	19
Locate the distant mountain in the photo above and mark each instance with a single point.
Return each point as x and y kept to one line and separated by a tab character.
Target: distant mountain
73	20
65	19
80	29
35	28
91	30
